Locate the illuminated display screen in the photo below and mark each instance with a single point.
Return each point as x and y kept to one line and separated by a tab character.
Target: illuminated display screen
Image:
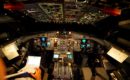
44	44
88	45
84	40
68	52
82	46
56	56
48	43
70	56
43	39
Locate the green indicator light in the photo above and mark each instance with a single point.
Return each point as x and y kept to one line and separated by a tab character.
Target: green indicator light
84	40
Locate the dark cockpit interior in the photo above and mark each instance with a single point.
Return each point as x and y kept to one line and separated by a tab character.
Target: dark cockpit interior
66	39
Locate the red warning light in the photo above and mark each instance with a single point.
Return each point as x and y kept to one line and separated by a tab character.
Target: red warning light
16	6
111	11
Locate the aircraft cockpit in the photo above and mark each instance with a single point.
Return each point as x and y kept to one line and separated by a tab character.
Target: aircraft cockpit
63	55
